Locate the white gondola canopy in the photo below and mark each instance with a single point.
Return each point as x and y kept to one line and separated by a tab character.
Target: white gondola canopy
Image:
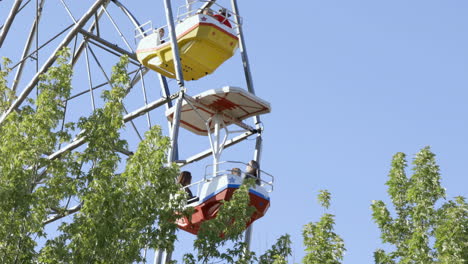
233	104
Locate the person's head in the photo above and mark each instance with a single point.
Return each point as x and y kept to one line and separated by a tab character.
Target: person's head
224	12
207	11
185	178
161	32
252	168
236	171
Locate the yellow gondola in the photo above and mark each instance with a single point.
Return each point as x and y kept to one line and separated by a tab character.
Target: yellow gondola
204	44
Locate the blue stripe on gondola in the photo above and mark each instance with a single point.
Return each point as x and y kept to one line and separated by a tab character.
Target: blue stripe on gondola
233	186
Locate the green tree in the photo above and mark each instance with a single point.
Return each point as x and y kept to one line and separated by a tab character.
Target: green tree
279	252
26	137
117	214
322	244
421	231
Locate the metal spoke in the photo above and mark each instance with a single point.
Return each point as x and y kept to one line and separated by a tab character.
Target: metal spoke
109	81
27	47
145	98
94	88
117	50
94	25
90	82
118	30
6	26
68	11
42	46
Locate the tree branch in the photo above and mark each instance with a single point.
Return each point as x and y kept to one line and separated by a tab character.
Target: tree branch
62	215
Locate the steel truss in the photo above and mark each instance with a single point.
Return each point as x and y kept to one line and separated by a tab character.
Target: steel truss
86	35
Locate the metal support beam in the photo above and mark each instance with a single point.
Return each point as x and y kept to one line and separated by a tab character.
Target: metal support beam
24	94
162	256
158	256
27	47
79	141
94	25
174	45
175	128
106	43
9	21
129	15
113	52
243	51
258	149
250	87
116	27
166	93
149	107
145	99
94	88
30	55
257	155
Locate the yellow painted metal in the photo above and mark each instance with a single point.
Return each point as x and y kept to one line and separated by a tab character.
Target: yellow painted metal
203	48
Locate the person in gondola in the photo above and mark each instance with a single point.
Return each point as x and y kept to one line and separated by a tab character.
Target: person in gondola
207	12
160	36
222	17
236	172
251	171
184	179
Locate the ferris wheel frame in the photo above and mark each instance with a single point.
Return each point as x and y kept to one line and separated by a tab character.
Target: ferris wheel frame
91	38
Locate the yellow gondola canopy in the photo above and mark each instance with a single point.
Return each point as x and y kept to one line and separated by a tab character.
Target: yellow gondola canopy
204	44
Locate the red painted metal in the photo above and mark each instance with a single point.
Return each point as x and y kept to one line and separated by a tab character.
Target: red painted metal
209	209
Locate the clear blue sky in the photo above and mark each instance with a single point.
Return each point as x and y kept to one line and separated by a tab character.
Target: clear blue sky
351	83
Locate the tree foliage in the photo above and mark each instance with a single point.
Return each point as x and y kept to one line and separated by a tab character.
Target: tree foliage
117	214
26	138
421	231
322	244
279	252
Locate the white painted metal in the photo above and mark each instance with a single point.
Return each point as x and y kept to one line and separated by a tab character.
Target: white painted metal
234	104
175	128
189	4
9	21
175	46
27	46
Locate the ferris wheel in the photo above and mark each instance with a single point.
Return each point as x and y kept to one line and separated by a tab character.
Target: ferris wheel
165	62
